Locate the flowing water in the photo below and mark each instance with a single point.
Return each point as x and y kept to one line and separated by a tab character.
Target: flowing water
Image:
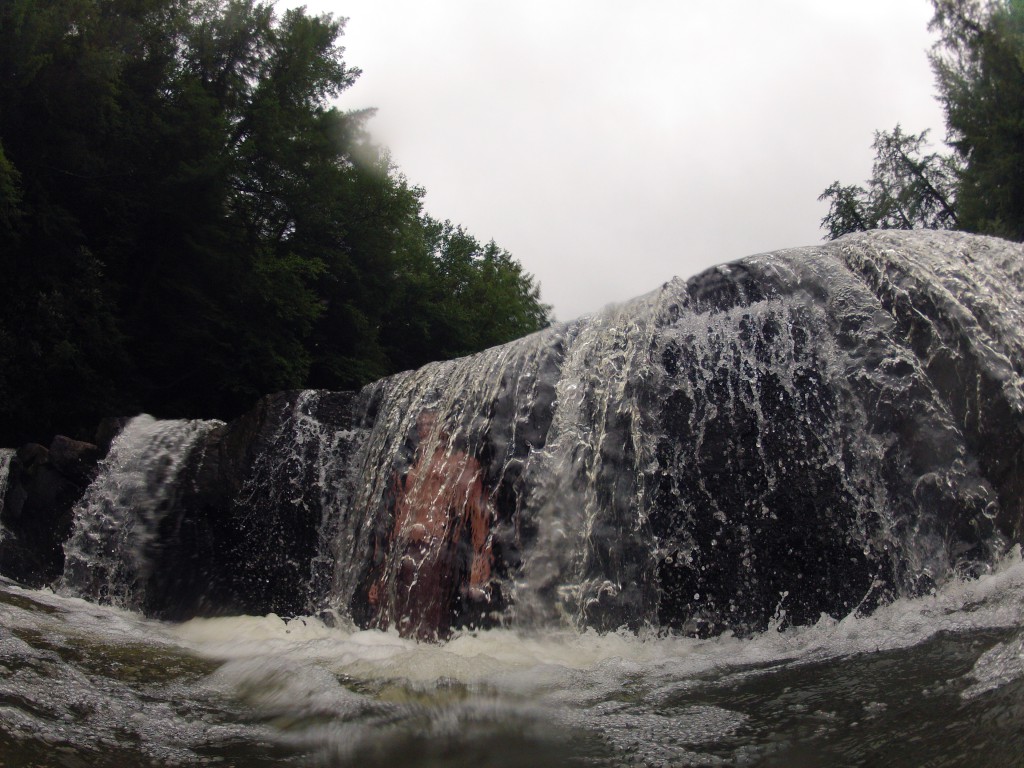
116	521
933	681
763	517
6	454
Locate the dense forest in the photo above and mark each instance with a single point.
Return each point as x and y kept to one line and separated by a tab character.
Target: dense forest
977	183
188	220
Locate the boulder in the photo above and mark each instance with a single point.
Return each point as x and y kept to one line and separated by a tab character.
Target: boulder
43	486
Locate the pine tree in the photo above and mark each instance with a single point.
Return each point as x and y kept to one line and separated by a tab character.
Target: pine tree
979	65
188	220
978	185
909	188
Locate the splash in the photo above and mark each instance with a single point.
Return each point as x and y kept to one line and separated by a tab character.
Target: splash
813	431
117	523
171	692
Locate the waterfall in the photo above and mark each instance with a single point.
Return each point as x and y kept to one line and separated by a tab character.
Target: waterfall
442	464
765	442
812	431
635	464
297	487
6	455
117	521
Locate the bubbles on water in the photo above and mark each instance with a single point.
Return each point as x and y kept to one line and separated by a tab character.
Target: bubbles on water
96	679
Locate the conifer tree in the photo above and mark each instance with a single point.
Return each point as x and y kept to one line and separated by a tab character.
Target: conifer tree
189	220
978	184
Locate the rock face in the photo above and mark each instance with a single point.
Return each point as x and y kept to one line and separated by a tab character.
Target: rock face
42	485
810	431
242	535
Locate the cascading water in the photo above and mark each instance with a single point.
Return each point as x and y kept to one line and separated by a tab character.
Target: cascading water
436	532
6	455
758	444
592	549
298	485
116	523
788	495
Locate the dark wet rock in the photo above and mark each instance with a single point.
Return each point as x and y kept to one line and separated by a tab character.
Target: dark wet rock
813	431
43	485
242	533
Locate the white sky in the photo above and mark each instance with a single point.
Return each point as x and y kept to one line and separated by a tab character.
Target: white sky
611	145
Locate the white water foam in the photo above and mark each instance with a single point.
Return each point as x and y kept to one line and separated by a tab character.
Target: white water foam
998	666
338	689
119	514
521	660
6	454
495	656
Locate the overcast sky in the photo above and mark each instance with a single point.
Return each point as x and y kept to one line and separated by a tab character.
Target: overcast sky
611	145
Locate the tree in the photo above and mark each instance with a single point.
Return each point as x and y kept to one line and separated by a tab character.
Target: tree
61	351
979	65
188	220
978	61
250	214
365	281
908	189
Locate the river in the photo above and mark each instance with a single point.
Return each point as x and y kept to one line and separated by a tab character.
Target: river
932	681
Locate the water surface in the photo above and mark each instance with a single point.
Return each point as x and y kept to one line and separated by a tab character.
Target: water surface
935	681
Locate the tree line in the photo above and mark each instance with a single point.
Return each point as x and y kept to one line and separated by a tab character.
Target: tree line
976	183
188	221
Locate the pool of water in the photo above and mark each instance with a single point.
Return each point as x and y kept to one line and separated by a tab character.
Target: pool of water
936	681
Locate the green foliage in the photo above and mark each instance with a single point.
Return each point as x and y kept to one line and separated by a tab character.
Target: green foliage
186	222
908	189
10	195
979	64
979	187
459	297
